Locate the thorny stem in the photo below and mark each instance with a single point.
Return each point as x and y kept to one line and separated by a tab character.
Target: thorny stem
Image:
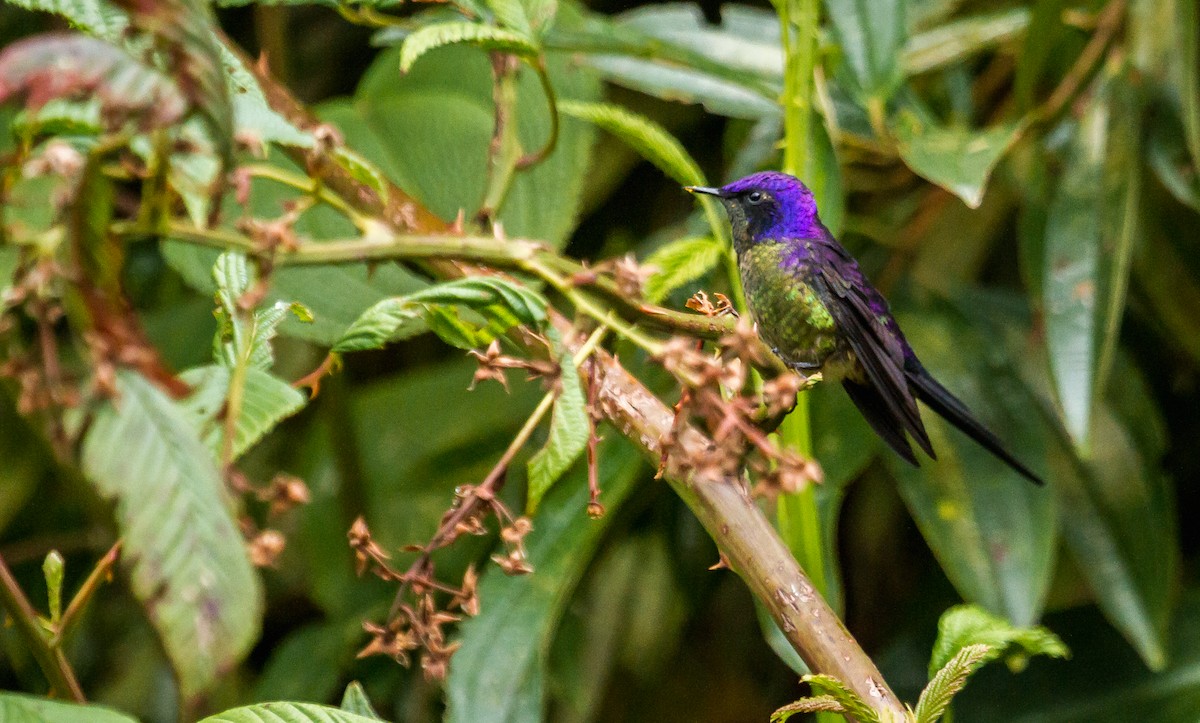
51	660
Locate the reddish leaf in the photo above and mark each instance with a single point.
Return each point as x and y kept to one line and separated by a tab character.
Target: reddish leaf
58	65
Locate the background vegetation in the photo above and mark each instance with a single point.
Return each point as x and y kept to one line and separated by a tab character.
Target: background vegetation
1022	180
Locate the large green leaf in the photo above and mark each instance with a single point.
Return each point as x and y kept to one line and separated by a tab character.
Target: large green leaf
1118	522
871	34
499	673
430	131
681	262
649	139
671	52
17	708
961	38
188	562
957	159
481	36
992	531
287	713
1091	230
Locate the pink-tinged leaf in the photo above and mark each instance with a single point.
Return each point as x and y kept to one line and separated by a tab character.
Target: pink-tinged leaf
58	65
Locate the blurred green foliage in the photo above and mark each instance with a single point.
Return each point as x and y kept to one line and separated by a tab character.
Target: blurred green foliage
1022	180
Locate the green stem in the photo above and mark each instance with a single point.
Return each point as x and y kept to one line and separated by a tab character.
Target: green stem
53	663
505	153
95	579
532	159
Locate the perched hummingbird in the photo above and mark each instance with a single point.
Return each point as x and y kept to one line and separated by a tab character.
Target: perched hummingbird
815	309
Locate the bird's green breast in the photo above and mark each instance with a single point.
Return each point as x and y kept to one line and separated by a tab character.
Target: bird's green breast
791	317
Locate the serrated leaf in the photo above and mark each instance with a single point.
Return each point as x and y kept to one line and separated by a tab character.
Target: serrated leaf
59	65
836	689
512	14
680	262
569	432
245	337
948	681
188	563
502	302
485	37
355	700
649	139
964	626
957	159
287	713
18	708
817	704
266	401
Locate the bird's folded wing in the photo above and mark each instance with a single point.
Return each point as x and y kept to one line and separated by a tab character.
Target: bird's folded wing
878	350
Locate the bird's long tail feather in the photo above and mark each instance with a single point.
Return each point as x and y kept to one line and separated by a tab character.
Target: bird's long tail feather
954	411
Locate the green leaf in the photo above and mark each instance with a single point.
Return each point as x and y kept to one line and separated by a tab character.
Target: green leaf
1169	158
1091	229
481	36
189	565
832	687
671	52
569	431
1105	682
964	626
266	401
649	139
959	39
504	303
499	673
245	337
430	130
871	36
287	713
50	66
1121	530
948	681
993	533
680	262
18	708
355	700
1187	59
816	704
957	159
99	19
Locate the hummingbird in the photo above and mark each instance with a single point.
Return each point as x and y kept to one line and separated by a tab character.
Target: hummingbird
816	310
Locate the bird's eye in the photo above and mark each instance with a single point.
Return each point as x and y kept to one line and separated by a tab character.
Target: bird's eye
756	197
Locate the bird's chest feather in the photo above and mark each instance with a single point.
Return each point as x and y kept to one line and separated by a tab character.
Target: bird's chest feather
791	317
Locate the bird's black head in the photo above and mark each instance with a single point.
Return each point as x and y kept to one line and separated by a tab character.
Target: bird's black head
767	206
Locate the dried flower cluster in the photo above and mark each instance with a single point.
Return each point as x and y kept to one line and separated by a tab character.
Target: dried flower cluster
717	399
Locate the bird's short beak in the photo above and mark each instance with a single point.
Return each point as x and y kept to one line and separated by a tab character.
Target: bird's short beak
703	189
